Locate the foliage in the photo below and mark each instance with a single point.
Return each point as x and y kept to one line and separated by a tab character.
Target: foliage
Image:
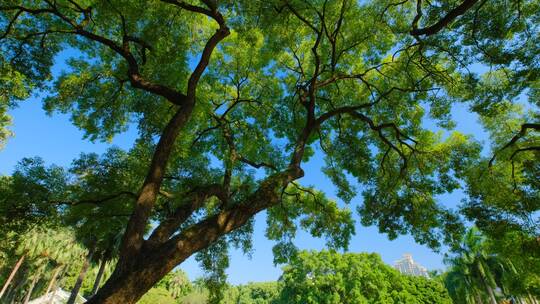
480	271
176	283
157	295
252	293
45	250
502	189
522	262
14	86
330	277
28	196
231	98
199	293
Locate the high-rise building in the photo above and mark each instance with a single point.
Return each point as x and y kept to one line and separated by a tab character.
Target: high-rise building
406	265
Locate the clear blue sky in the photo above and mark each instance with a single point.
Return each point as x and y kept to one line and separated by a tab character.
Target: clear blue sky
57	141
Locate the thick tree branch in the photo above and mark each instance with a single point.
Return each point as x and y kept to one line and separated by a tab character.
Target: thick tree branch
136	79
524	128
194	200
221	33
133	238
443	22
204	233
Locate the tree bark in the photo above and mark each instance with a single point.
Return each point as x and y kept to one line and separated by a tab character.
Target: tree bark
447	19
478	298
152	263
53	279
99	276
12	275
52	284
82	275
30	289
491	294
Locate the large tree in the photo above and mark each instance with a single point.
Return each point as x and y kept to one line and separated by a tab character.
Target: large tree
230	98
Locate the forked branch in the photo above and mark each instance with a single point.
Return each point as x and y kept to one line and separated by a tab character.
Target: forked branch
443	22
524	128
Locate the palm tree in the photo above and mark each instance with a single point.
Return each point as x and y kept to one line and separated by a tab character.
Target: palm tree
103	246
107	249
471	278
12	274
49	250
103	260
460	285
35	279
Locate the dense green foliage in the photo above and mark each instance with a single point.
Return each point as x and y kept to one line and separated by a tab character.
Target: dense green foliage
330	277
253	293
326	277
480	272
51	254
231	98
157	295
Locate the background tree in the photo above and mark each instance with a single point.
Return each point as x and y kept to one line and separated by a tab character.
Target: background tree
479	272
45	251
471	279
253	293
199	293
330	277
521	279
101	229
27	194
157	295
176	283
231	97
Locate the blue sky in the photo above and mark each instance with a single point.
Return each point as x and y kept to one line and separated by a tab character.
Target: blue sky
57	141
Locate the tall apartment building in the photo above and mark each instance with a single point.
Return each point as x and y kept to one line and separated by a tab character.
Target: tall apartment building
406	265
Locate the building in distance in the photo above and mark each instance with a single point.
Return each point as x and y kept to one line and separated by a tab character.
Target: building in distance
406	265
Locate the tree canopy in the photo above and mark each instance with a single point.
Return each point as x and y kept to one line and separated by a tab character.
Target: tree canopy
330	277
231	98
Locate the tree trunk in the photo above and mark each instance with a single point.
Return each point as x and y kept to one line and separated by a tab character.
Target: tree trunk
9	295
12	274
131	280
80	279
99	276
491	294
488	287
30	289
478	298
52	283
129	286
53	279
